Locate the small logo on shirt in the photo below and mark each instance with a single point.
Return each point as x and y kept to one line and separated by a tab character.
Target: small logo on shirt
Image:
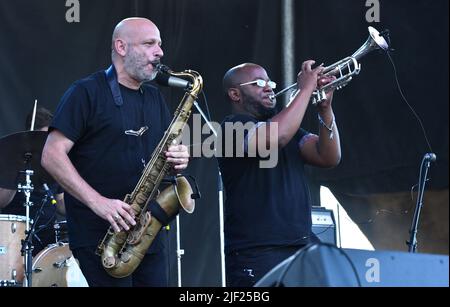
140	132
249	272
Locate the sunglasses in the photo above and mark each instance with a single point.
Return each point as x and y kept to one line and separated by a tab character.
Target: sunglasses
261	83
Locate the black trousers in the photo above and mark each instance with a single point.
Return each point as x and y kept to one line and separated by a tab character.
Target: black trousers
152	271
244	268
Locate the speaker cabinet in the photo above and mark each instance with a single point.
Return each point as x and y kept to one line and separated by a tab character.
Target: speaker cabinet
325	265
323	224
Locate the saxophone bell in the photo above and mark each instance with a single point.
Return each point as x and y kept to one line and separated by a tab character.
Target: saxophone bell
175	196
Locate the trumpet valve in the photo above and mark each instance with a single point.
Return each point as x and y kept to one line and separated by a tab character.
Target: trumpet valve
321	95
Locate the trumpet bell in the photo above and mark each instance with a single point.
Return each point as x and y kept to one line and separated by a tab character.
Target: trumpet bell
374	42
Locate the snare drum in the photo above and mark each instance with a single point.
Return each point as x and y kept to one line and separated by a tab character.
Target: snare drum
55	266
12	232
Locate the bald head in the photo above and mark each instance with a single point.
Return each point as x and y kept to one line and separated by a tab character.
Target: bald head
237	75
132	30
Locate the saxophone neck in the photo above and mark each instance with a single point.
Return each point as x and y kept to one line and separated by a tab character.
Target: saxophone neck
195	83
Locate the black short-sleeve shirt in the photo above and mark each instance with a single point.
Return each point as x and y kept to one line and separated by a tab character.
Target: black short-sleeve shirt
265	206
112	144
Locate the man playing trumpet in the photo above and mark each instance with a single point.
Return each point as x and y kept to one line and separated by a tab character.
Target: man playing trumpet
268	210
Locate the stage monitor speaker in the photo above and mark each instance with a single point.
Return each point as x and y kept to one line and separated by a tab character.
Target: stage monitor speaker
323	224
324	265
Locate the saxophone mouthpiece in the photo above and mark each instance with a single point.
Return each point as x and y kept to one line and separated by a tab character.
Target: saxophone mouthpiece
162	68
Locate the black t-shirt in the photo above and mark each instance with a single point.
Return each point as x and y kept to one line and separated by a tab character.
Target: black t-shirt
108	152
44	234
265	206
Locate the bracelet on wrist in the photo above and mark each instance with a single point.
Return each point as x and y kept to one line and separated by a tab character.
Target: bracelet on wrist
330	128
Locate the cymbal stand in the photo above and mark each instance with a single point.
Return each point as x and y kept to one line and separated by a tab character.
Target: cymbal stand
27	246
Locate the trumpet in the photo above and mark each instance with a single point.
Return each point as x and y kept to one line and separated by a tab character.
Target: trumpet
345	69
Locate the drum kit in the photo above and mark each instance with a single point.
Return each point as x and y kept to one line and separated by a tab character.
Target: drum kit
54	266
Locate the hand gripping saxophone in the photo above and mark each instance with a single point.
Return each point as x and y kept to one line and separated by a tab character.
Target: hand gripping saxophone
122	252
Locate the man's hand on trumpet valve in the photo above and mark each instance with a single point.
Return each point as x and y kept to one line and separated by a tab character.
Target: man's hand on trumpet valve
307	77
323	80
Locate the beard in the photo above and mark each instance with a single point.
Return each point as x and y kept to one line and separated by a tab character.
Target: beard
254	107
136	65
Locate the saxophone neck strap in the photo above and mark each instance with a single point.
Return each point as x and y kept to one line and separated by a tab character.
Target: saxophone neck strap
111	78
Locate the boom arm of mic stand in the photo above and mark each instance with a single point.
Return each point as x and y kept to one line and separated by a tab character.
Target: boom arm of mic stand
204	117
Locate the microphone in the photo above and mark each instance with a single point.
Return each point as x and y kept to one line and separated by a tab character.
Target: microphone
430	157
168	80
50	194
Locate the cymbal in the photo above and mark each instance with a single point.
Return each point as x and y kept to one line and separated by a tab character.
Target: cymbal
19	152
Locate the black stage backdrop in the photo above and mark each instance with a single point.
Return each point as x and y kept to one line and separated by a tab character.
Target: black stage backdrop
41	54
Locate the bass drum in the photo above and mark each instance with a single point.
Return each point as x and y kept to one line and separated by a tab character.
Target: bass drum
12	232
55	266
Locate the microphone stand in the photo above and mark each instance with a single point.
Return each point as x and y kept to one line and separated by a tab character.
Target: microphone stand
221	219
220	189
426	161
165	80
180	251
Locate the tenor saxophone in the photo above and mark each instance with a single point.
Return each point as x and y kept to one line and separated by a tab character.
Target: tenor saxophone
122	252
